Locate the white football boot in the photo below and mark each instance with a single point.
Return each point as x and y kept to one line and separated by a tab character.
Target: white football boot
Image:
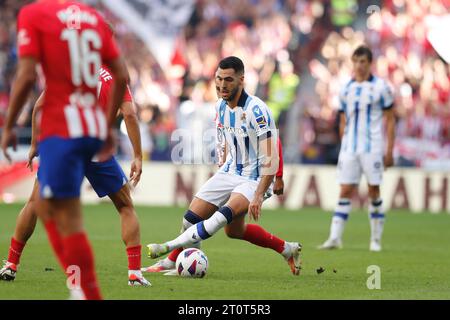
293	259
8	271
172	272
163	265
375	246
331	244
157	250
136	279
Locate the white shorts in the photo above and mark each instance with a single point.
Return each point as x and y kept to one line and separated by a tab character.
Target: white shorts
352	166
218	188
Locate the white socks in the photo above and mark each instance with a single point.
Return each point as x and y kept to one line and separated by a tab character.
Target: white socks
186	225
376	217
137	273
202	230
340	217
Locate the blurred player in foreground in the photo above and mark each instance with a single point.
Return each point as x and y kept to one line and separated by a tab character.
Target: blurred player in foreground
71	46
244	180
365	101
106	178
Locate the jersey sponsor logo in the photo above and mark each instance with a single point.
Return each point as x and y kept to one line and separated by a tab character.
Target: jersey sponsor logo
259	116
72	13
106	76
22	38
237	131
261	121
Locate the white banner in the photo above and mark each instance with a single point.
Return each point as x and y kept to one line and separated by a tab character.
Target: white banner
156	22
167	184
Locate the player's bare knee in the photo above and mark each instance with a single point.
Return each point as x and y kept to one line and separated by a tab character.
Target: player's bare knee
122	200
374	192
202	208
347	191
238	204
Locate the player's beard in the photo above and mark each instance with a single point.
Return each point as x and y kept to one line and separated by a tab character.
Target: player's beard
232	94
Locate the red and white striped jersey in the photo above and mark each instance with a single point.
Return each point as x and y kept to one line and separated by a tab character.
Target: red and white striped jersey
105	82
70	45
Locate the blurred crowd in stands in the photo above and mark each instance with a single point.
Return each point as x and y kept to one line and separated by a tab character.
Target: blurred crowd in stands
296	54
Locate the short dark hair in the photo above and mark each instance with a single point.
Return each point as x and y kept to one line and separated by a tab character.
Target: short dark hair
363	51
232	62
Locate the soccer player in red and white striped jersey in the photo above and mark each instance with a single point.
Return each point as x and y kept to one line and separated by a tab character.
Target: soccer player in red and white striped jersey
71	46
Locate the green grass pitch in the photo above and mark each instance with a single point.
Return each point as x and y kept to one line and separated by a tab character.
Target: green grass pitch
414	264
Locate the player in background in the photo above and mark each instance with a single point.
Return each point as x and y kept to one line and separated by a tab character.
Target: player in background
240	185
364	101
71	46
106	178
167	264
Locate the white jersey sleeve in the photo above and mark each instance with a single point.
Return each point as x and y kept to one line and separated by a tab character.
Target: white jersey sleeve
386	95
259	120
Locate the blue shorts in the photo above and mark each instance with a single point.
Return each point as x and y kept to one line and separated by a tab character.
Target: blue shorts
106	177
63	164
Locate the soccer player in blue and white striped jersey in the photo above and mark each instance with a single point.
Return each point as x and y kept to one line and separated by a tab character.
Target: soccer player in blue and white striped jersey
364	102
245	124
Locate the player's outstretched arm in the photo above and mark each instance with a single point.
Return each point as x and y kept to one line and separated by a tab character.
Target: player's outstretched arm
25	79
390	128
269	168
132	124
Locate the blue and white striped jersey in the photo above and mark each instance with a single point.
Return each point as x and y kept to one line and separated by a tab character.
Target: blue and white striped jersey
363	104
242	128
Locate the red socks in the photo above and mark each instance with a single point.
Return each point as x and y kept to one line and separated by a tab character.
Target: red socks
56	242
134	257
260	237
15	251
174	254
78	252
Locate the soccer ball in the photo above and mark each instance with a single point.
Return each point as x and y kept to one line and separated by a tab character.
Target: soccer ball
192	263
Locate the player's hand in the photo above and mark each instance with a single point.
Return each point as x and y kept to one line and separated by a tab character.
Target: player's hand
31	155
254	208
136	171
278	186
388	160
109	147
9	137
